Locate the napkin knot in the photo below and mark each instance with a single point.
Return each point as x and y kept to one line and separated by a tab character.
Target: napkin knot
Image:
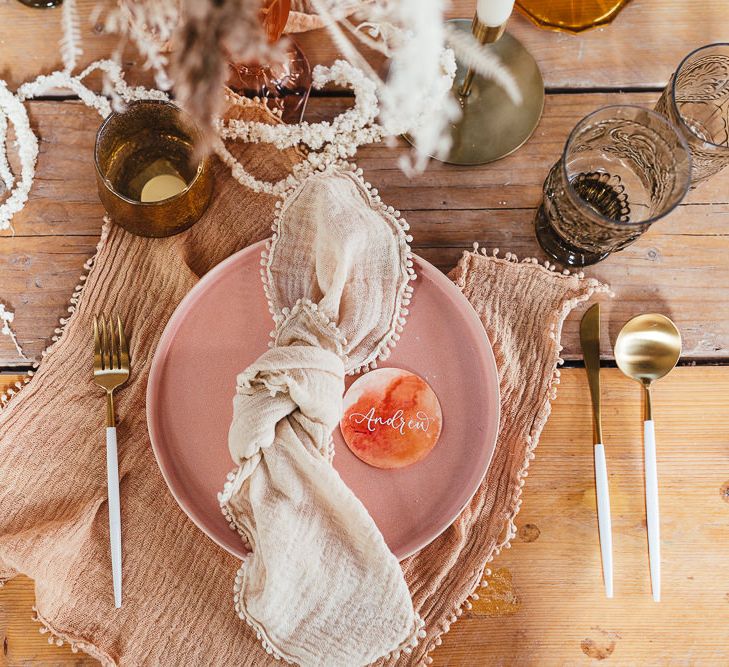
302	375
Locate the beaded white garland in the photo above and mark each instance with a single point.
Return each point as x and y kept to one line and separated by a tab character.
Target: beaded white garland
11	109
330	142
6	317
6	175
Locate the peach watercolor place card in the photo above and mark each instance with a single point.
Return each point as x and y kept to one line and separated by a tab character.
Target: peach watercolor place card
392	418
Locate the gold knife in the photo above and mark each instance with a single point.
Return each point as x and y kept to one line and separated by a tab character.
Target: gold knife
590	340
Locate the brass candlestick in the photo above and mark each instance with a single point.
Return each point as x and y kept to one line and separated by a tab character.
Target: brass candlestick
485	34
492	125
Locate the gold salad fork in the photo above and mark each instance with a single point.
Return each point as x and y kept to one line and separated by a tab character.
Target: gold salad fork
111	369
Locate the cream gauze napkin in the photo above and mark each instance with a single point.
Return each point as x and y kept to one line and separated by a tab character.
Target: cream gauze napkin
320	586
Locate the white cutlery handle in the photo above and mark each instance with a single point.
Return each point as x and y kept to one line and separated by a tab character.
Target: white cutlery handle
651	507
603	518
112	482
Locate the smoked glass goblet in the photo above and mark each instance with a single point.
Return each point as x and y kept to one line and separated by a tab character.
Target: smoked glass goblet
623	168
696	101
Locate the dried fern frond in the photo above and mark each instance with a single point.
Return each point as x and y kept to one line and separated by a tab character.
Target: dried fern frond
471	53
212	33
70	43
150	25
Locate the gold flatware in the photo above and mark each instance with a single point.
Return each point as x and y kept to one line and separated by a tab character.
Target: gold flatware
590	340
111	370
648	347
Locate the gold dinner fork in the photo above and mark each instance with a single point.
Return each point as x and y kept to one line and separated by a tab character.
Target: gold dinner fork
111	369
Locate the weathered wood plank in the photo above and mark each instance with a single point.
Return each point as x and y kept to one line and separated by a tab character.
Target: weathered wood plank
545	603
548	607
678	267
640	49
23	645
37	277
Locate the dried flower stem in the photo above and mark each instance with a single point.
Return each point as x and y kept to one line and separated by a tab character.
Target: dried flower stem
71	40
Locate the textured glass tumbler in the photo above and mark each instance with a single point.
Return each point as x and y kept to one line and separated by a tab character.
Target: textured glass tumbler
623	168
696	100
148	174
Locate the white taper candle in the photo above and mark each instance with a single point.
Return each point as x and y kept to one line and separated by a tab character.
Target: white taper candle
494	13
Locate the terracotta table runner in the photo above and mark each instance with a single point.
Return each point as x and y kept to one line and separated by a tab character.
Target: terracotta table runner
177	610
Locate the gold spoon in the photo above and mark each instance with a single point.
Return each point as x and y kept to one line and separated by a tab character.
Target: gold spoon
648	347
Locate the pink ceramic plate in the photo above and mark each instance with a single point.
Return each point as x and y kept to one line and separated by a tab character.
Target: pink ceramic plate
223	325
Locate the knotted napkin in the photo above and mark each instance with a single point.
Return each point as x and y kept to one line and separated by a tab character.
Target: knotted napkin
320	586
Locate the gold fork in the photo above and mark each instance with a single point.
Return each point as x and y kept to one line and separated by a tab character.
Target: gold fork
111	369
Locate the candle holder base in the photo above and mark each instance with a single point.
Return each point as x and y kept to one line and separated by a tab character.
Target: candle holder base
491	125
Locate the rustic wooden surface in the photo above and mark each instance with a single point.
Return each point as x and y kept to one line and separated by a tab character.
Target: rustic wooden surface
679	267
547	605
544	603
639	50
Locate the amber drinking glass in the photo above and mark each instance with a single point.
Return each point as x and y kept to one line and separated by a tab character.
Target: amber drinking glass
623	168
149	176
41	4
571	15
696	100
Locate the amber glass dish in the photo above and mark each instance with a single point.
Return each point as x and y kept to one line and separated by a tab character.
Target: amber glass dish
570	15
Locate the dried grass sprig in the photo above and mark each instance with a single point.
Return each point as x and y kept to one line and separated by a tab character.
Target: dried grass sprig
150	26
70	43
471	53
212	33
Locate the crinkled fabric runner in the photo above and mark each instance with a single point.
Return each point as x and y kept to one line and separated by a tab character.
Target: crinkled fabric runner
177	583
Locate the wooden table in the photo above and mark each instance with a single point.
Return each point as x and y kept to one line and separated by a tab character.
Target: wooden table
544	604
